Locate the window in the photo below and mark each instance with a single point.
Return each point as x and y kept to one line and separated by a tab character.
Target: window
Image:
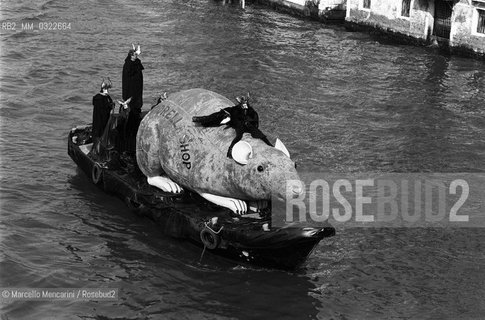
406	8
366	4
481	21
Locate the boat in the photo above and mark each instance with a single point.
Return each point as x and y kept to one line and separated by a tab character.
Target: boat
246	239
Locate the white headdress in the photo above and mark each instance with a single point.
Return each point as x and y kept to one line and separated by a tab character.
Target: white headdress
137	50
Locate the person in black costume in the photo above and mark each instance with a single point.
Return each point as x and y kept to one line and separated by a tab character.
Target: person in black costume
242	117
102	106
132	87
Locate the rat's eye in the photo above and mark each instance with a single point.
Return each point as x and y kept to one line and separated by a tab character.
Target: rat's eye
260	168
296	165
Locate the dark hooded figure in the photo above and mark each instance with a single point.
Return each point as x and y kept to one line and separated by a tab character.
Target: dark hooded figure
132	87
242	117
103	104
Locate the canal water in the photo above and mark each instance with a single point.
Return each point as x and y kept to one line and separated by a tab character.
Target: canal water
342	102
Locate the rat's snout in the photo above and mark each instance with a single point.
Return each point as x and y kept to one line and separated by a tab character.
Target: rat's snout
291	189
288	189
295	187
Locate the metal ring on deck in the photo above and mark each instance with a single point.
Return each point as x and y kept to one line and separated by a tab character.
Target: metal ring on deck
209	238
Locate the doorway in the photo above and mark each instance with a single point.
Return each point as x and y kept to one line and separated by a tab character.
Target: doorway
442	18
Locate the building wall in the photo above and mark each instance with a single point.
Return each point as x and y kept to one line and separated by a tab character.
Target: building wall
297	4
464	27
386	15
327	5
324	10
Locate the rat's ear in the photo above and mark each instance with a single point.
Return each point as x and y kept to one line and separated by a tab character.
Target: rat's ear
238	99
280	146
242	152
